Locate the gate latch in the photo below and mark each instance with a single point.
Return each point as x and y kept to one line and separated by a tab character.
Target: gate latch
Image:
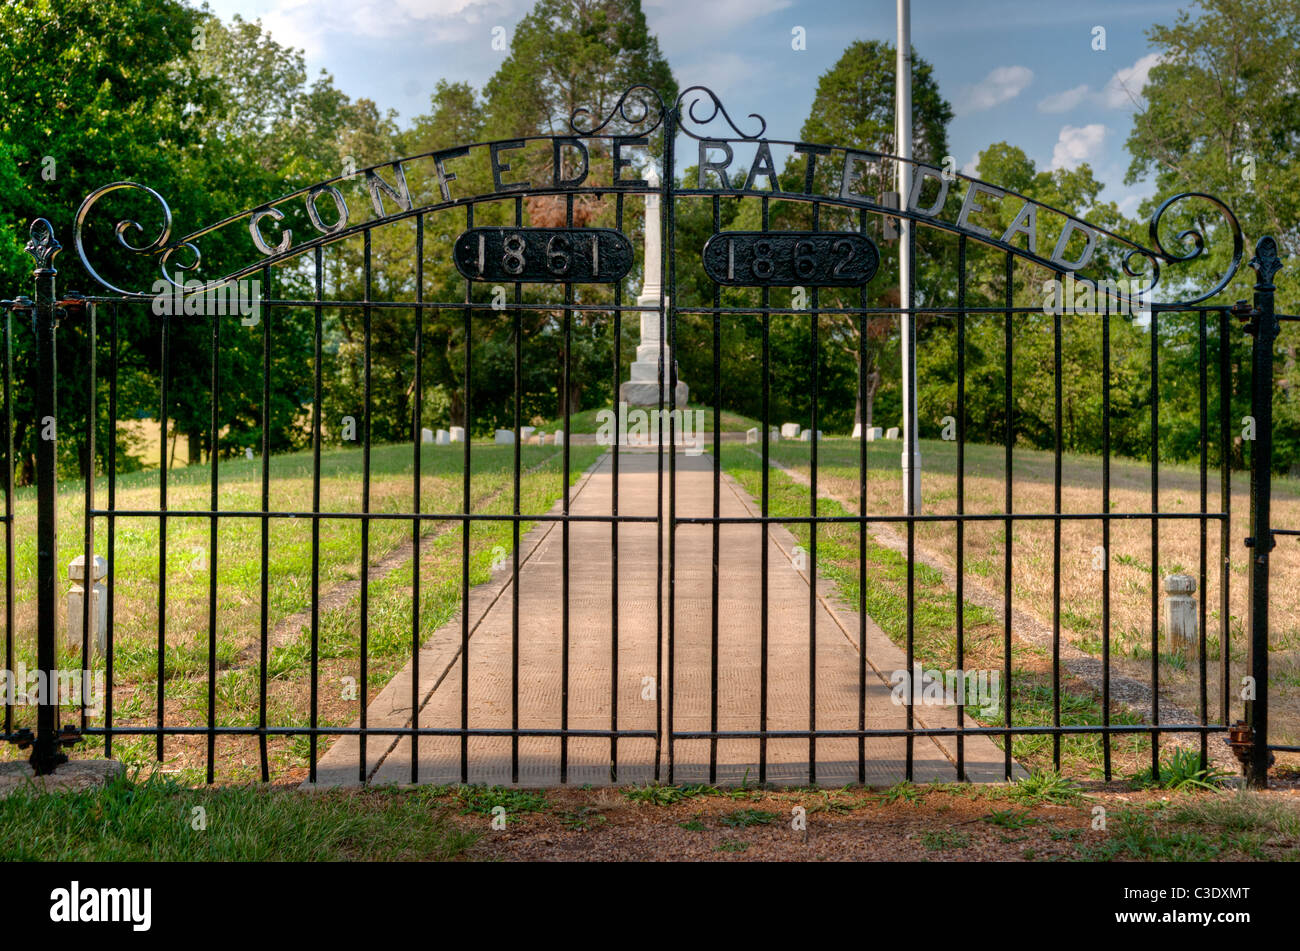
1241	737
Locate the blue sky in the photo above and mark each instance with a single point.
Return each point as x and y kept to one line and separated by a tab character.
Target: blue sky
1014	70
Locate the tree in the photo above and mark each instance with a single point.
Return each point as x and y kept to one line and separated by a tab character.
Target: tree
1222	115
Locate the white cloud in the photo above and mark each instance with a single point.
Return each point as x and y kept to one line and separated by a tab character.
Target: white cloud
1128	205
1064	101
999	86
310	24
1078	144
1125	87
1122	90
972	165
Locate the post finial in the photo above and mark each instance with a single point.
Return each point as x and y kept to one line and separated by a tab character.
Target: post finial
1266	261
42	244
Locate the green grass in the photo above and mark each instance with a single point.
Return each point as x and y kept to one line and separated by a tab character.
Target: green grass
1181	770
388	635
159	820
885	598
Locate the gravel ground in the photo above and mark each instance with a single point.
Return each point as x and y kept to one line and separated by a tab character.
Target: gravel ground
841	825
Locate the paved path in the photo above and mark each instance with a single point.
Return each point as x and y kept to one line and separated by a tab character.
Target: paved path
590	646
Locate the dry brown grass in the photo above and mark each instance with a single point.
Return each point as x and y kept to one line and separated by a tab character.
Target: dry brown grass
1131	561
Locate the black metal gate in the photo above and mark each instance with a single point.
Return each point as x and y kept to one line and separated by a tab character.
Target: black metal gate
830	260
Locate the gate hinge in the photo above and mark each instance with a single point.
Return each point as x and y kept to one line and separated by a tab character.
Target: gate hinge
1272	539
1246	312
1241	740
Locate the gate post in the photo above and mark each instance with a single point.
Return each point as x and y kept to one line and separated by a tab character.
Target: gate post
43	247
1264	327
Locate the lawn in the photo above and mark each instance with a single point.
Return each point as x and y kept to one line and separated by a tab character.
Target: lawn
1032	550
238	561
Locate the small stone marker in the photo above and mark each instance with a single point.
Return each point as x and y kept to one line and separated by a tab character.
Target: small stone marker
526	433
857	431
248	453
751	436
1180	612
442	437
790	430
875	433
774	435
98	602
891	433
426	435
505	437
807	435
541	439
559	437
458	434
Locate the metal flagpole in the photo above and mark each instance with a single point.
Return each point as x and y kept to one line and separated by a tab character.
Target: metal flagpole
903	130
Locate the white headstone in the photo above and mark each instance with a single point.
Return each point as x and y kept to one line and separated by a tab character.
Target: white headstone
541	439
526	433
874	433
504	437
790	430
751	436
426	435
774	435
807	435
857	431
98	601
458	434
248	452
442	437
559	437
1180	612
891	433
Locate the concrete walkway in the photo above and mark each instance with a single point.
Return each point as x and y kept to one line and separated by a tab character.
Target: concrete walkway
591	649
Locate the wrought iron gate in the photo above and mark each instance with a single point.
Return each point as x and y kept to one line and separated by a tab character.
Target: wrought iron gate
837	252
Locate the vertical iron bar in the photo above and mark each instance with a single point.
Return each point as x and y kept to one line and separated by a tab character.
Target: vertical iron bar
1265	326
112	532
1155	542
1056	544
717	511
514	581
213	528
464	536
767	449
564	527
8	422
1225	505
1008	467
88	553
366	396
45	753
1202	579
417	441
613	511
812	527
1105	540
317	346
264	646
162	529
863	324
667	316
961	495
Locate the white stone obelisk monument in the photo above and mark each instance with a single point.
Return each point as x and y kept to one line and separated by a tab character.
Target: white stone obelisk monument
642	387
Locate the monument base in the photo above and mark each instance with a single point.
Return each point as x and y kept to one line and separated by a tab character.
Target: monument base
646	393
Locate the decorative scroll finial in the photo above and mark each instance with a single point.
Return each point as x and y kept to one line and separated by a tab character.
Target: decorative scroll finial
697	95
639	105
1266	261
42	245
